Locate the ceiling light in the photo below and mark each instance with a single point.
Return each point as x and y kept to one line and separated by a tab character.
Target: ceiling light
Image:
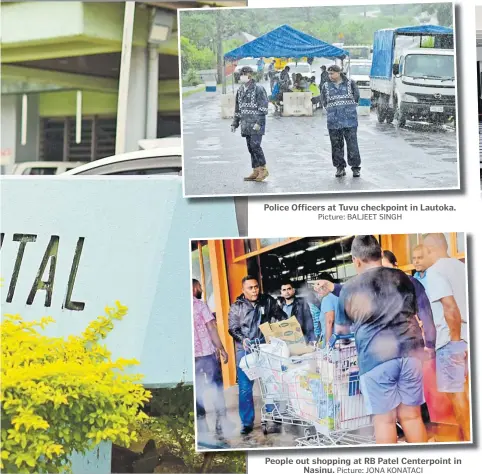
343	256
284	272
301	268
313	247
294	254
319	262
329	242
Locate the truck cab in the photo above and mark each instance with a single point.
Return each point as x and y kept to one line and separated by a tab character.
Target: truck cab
424	85
412	76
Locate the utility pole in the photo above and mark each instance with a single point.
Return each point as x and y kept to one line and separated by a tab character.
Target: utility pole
219	51
125	69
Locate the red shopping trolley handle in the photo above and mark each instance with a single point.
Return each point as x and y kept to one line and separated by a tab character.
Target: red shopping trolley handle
339	337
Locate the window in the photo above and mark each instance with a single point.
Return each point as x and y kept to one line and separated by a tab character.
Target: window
268	242
165	165
57	139
424	65
250	245
40	171
163	171
460	242
201	271
360	70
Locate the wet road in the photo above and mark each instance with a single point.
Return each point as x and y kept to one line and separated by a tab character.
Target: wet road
298	155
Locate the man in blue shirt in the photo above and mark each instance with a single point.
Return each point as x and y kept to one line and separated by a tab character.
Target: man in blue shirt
330	309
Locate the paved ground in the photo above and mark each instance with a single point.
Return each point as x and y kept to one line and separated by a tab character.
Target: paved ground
286	435
298	154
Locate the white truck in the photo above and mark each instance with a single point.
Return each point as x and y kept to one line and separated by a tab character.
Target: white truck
413	74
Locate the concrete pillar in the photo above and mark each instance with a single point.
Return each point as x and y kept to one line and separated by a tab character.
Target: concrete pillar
29	151
152	96
137	99
8	132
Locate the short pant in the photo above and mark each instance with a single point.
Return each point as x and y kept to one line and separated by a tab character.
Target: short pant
391	383
451	367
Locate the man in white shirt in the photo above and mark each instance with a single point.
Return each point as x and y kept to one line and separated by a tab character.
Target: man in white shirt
445	284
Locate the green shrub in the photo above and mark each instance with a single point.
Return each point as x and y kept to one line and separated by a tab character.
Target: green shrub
61	395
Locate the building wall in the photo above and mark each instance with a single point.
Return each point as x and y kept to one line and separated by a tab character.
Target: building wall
8	130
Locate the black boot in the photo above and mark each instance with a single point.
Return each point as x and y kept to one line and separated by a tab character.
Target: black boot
340	171
246	430
356	172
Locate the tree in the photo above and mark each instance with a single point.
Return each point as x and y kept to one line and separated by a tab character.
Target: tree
195	58
61	395
443	12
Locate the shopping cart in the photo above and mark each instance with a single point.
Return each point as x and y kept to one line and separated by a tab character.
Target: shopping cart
271	370
336	409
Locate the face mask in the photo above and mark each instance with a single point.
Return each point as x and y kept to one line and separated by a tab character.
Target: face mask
244	79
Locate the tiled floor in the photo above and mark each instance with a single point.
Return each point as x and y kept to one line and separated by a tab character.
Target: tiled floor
287	436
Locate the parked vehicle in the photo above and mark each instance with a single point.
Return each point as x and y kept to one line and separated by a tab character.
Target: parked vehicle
302	68
413	74
359	71
162	157
359	51
44	168
251	62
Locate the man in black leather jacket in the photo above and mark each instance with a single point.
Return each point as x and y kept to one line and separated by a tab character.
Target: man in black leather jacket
247	313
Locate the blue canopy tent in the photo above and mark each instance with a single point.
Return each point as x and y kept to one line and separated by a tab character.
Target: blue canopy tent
384	40
286	42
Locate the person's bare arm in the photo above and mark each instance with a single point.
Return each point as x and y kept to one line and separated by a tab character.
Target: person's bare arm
213	333
329	324
452	317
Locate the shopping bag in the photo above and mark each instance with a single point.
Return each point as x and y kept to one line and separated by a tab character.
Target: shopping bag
251	365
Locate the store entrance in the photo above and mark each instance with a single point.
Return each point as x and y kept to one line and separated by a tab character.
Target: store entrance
302	261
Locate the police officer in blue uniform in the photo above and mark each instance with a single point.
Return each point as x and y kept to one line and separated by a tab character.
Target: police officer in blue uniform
250	112
340	97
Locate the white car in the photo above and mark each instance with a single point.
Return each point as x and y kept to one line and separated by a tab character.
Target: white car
359	71
301	68
251	62
44	168
162	156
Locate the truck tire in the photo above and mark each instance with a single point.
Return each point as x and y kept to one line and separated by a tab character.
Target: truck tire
401	118
381	111
382	108
390	115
